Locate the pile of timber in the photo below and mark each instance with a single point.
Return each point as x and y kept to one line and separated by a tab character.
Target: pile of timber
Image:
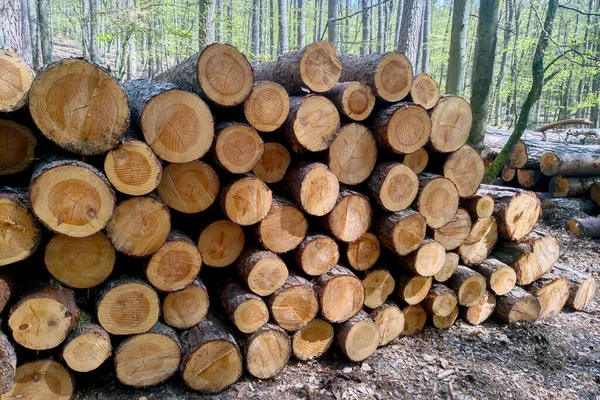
222	218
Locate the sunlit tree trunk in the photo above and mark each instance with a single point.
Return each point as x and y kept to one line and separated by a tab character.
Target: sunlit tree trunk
507	34
45	30
301	24
333	31
410	29
426	36
284	43
455	80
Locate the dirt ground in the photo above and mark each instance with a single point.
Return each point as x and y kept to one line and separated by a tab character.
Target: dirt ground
554	359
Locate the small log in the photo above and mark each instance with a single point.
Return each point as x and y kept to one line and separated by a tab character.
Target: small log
263	271
522	157
18	145
219	73
313	187
353	154
358	337
595	193
464	167
583	286
341	294
42	379
393	186
477	314
313	340
293	305
425	91
186	308
553	207
354	100
378	284
238	148
528	178
246	201
127	307
417	161
211	359
454	233
318	254
247	311
283	228
508	174
267	107
350	218
517	305
589	227
394	134
468	284
139	226
80	263
552	292
43	318
266	351
451	121
16	81
415	318
427	260
479	206
440	300
70	197
20	233
570	163
500	277
79	106
481	241
411	288
446	321
133	168
8	363
448	269
400	232
7	285
362	254
86	348
221	243
274	163
390	321
561	186
437	199
312	123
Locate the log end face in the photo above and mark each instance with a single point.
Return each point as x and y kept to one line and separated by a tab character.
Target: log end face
174	266
526	309
522	214
399	189
363	253
18	149
414	319
87	352
425	91
503	280
251	315
390	320
248	201
393	77
20	234
350	218
417	161
438	202
283	228
271	343
358	100
409	234
408	129
133	168
485	207
342	298
316	123
313	340
213	366
320	68
268	275
274	163
295	307
43	379
353	154
267	107
451	123
15	81
415	290
362	340
238	148
518	157
319	190
185	308
471	290
450	266
430	258
221	243
465	169
585	293
445	322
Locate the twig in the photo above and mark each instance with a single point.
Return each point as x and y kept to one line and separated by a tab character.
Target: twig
351	15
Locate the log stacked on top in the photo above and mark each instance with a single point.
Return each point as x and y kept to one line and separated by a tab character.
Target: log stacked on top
347	215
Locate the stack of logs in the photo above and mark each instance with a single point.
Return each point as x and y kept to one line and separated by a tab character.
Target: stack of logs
223	218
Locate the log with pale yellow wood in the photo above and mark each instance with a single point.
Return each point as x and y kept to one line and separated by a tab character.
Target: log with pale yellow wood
517	305
390	320
20	233
427	260
267	351
589	227
508	174
454	233
283	228
274	163
528	178
294	304
446	321
17	149
354	100
186	308
412	288
440	300
267	107
415	318
500	277
358	337
468	285
363	253
401	128
478	205
449	267
86	348
42	379
313	340
480	242
221	243
393	186
263	271
341	294
246	200
437	199
353	154
312	124
583	286
8	364
350	218
425	91
464	167
552	292
16	80
238	148
400	232
378	284
313	187
247	311
451	121
317	254
477	314
417	161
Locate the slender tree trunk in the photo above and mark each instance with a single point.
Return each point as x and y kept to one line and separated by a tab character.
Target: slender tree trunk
206	27
27	50
230	21
380	27
426	35
85	28
399	10
254	29
417	63
284	43
317	31
455	79
366	16
93	42
371	25
348	44
442	68
220	22
507	34
132	52
301	24
515	64
594	112
410	29
333	31
45	31
34	33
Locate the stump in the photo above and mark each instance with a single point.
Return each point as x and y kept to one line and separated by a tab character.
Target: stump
263	271
313	340
358	337
274	163
477	314
354	100
500	277
341	294
455	232
414	319
480	242
411	288
267	107
353	154
468	284
221	243
517	305
440	301
393	186
363	253
350	218
238	148
448	269
18	143
390	321
246	201
247	311
20	234
583	286
293	305
437	199
266	351
186	308
42	379
16	80
401	232
190	187
312	123
317	254
283	228
402	128
378	284
451	121
313	187
425	91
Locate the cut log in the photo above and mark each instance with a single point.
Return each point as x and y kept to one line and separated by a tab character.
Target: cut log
358	337
274	163
425	91
139	226
221	243
353	154
350	218
263	271
16	80
555	208
43	318
17	145
247	311
570	121
318	254
508	174
411	288
530	257
246	201
440	300
448	269
267	107
8	285
20	234
354	100
589	227
415	318
517	305
295	304
570	162
493	145
561	186
86	348
42	379
500	277
437	199
267	351
378	284
464	167
341	294
417	161
479	206
390	320
363	253
400	232
528	178
238	148
468	284
313	340
451	121
312	123
132	168
190	187
516	211
393	186
427	260
211	359
315	67
127	307
79	106
283	228
552	292
402	128
8	364
186	308
80	263
71	197
149	358
595	193
583	286
480	242
313	187
175	265
219	73
454	233
446	321
477	314
390	75
521	155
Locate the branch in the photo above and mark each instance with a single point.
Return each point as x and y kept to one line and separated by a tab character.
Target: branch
573	121
351	15
579	11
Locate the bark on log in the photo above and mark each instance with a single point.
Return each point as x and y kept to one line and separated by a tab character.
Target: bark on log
468	284
186	308
189	187
500	277
583	286
552	292
477	314
427	260
378	284
16	81
312	124
440	300
274	163
571	186
480	242
353	154
354	100
313	187
221	243
517	305
454	233
247	311
341	294
246	201
18	145
425	91
390	321
20	233
451	121
42	379
402	128
267	107
528	178
437	199
589	227
400	232
414	319
7	285
595	193
238	148
8	364
393	186
363	253
411	288
350	218
313	340
448	269
570	163
358	337
556	207
493	145
293	305
263	271
283	228
266	351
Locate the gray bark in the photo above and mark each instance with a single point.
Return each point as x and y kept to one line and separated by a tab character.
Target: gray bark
132	53
426	36
398	22
230	21
366	22
595	110
206	28
85	28
12	15
333	31
284	41
34	33
45	31
455	79
410	29
380	28
507	34
301	24
255	33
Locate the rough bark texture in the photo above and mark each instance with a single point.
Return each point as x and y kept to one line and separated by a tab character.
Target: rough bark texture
400	232
583	286
8	364
518	305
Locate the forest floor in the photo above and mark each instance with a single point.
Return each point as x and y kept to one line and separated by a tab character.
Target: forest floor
554	359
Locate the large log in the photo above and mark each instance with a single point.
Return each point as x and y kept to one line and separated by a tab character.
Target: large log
571	161
517	305
362	254
315	67
425	91
221	243
246	200
378	284
358	337
313	340
552	292
561	186
440	300
477	314
266	351
238	148
79	106
274	163
437	200
454	233
16	81
42	379
353	154
341	294
176	124
500	277
313	187
263	271
411	288
8	364
312	123
400	232
267	106
350	218
402	128
247	311
589	227
393	186
468	284
451	121
294	304
17	151
283	228
390	321
219	73
480	242
20	233
186	308
354	100
318	254
464	167
583	286
449	267
427	260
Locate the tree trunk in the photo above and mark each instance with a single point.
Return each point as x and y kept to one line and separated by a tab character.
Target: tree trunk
366	23
283	38
34	33
410	29
333	30
426	36
455	78
510	8
14	34
399	11
301	24
207	27
589	227
45	31
254	36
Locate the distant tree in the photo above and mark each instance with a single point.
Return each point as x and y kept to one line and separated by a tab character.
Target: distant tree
510	9
455	79
398	23
426	36
255	30
410	29
34	32
301	24
13	34
332	28
284	43
45	31
366	23
206	25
